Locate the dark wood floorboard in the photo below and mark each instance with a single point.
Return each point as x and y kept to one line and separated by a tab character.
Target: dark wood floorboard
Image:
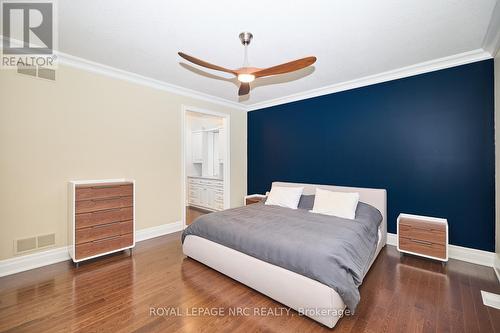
192	213
116	294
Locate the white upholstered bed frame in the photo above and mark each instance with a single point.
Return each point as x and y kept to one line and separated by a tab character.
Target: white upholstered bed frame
294	290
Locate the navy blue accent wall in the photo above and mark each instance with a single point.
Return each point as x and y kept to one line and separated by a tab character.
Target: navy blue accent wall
427	139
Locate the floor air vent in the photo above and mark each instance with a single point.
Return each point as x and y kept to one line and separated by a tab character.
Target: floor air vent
33	243
25	244
46	240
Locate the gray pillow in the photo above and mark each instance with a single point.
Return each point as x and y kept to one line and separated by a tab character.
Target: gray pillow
306	202
363	210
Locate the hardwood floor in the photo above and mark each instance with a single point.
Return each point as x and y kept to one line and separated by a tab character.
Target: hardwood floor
116	294
192	213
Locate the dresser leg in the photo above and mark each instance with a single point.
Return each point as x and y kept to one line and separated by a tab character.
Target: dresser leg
130	251
77	264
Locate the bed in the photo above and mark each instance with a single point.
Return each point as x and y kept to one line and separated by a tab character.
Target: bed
302	291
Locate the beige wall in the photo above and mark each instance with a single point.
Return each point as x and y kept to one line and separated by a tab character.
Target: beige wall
89	126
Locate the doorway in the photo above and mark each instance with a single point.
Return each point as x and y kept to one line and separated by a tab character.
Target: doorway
205	162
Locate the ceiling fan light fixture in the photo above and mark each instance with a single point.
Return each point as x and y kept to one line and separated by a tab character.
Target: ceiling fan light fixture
246	73
246	78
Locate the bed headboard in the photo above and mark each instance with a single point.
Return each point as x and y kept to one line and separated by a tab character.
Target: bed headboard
372	196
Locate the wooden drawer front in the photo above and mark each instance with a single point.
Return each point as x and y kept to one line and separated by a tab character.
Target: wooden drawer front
93	205
103	191
250	201
433	226
103	231
103	245
422	247
423	232
104	217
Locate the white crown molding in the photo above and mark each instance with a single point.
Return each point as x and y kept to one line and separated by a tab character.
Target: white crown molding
473	256
491	42
52	256
91	66
424	67
420	68
95	67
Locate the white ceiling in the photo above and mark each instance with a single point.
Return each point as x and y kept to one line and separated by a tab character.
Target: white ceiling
351	38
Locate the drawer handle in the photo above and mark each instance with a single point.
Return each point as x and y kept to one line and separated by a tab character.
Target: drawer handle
104	186
409	227
107	210
422	242
98	226
106	239
104	199
424	228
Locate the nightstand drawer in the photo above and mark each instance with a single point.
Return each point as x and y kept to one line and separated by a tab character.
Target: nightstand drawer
252	201
422	247
254	198
423	232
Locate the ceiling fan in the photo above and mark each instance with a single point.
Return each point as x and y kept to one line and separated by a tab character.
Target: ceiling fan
247	74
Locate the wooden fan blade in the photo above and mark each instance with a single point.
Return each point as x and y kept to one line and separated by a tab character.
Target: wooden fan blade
205	64
244	89
286	67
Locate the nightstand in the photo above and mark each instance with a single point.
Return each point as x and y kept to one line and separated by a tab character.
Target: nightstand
253	199
423	236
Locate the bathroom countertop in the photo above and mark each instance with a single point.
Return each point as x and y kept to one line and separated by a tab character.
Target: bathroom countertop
201	177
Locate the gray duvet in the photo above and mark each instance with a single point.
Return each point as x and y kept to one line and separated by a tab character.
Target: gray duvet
328	249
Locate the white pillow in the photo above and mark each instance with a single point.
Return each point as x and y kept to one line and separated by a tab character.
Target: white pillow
339	204
288	197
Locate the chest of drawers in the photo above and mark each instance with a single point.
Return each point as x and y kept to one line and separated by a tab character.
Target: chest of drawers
423	236
101	217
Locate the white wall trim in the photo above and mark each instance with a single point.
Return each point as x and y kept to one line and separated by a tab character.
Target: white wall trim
91	66
226	118
420	68
491	42
496	266
161	230
52	256
473	256
34	260
424	67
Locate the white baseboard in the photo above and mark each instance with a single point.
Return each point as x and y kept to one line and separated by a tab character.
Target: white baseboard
52	256
34	260
497	266
157	231
473	256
